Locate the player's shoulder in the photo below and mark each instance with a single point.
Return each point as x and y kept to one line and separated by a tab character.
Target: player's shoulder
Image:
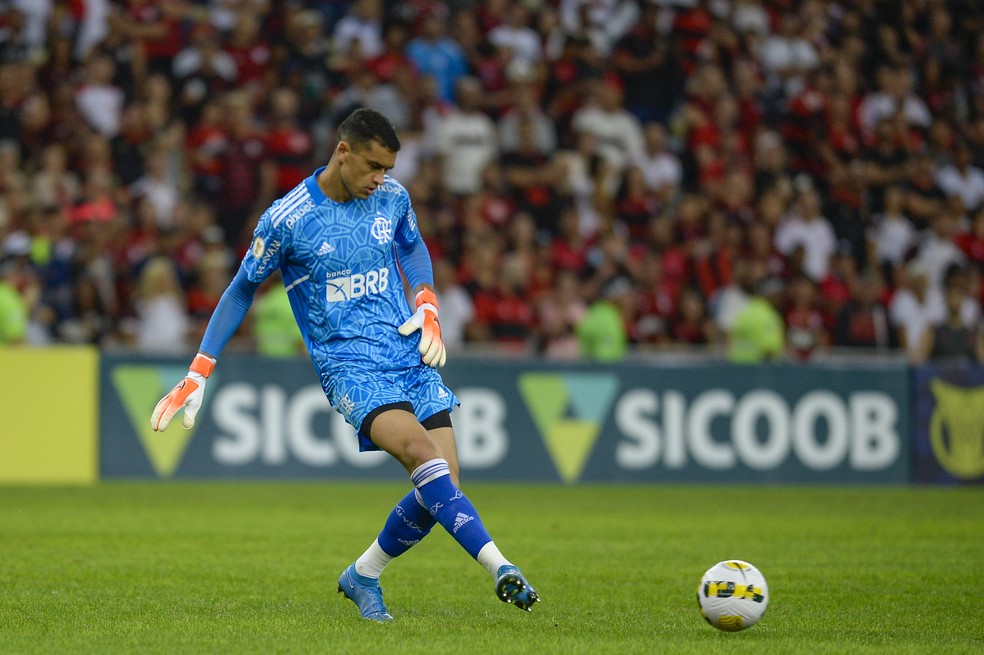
288	210
391	188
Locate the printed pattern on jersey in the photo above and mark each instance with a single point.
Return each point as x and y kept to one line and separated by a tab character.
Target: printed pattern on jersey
339	265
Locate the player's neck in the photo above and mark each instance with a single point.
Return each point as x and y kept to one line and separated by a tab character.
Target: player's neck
330	183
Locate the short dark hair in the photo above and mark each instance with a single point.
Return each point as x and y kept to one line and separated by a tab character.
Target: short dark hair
365	125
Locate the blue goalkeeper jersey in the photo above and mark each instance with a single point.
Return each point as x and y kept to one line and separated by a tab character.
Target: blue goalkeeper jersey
339	265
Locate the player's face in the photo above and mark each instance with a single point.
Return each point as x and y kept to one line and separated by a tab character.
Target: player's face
362	169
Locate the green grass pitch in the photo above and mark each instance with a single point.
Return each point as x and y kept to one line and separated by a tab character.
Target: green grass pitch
251	568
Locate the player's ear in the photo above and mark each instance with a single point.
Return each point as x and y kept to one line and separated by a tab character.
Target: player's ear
342	150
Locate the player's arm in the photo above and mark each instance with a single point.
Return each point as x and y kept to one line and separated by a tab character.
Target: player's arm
226	319
416	264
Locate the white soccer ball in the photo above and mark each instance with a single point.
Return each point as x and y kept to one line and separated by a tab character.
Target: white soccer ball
733	595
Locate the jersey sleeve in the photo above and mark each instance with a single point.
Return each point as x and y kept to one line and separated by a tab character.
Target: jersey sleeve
268	248
410	247
406	221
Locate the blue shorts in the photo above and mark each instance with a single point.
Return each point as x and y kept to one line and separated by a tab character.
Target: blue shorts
354	392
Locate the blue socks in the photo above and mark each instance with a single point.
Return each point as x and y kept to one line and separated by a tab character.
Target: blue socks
408	523
448	506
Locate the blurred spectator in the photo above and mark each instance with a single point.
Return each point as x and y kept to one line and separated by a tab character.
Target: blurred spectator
161	324
289	148
892	235
526	109
202	70
937	250
277	334
893	96
249	49
864	321
359	34
806	228
160	189
89	321
558	314
248	177
99	101
437	55
618	132
606	20
805	331
786	56
650	72
728	301
952	339
601	331
692	326
533	179
757	334
963	180
660	166
515	34
457	309
54	185
466	140
13	307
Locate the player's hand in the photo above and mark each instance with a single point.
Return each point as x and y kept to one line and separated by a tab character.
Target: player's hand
187	394
424	319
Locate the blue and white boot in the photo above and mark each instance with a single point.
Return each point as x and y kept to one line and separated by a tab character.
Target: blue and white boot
511	587
365	593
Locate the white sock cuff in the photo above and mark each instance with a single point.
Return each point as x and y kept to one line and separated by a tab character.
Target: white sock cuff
490	557
429	471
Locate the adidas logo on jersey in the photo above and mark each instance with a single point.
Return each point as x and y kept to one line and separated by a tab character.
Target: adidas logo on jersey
325	249
460	520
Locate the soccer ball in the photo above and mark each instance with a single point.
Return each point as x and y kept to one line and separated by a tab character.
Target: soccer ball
733	595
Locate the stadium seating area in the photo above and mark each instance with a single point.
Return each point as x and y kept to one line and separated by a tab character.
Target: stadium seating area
670	158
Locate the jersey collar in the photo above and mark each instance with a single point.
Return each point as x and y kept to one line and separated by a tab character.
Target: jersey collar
312	185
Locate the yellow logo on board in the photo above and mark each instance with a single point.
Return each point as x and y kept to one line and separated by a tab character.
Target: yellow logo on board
139	389
956	429
569	410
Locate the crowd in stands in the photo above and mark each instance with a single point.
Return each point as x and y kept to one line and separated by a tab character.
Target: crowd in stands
587	173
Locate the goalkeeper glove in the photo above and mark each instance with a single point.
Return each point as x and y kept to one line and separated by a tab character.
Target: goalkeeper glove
424	319
187	394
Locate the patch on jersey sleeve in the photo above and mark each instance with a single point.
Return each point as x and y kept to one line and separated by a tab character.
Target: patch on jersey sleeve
259	247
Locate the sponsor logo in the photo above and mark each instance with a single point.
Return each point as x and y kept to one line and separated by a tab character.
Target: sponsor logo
460	521
956	429
340	286
569	410
382	229
271	252
304	208
139	388
325	249
259	246
410	524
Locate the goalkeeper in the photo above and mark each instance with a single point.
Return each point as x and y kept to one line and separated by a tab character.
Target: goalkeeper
340	239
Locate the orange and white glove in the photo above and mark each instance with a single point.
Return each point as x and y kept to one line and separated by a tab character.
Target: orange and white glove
424	319
187	394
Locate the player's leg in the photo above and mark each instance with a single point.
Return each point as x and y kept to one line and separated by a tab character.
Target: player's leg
420	452
406	525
